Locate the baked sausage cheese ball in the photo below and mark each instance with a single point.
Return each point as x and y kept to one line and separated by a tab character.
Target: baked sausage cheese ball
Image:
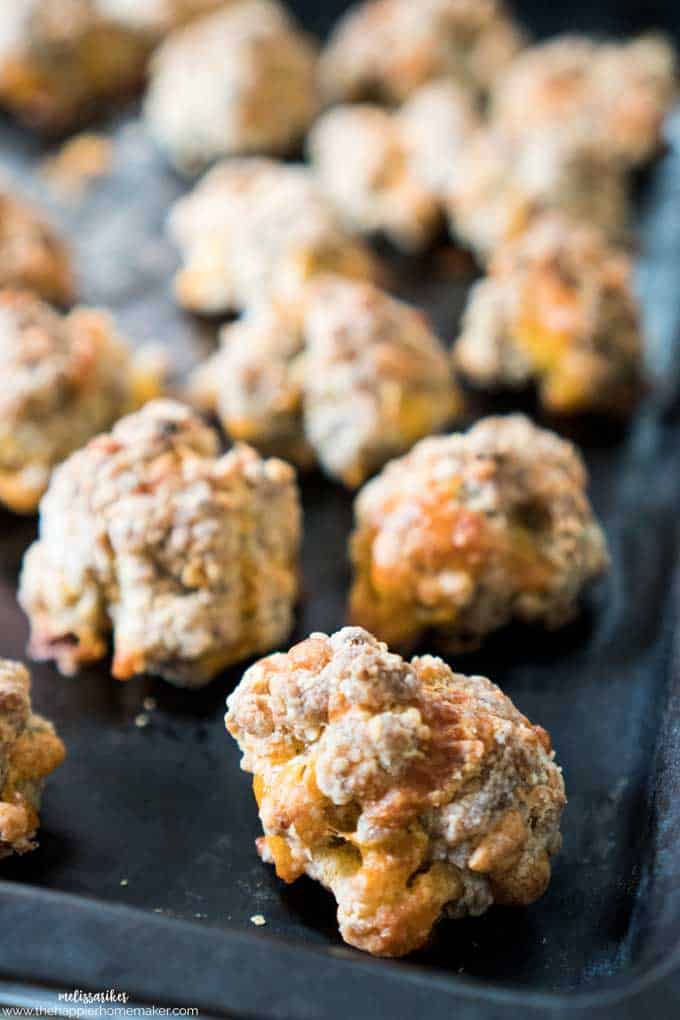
616	94
437	123
385	171
356	380
29	751
470	531
31	254
238	81
409	791
385	49
60	60
254	230
65	378
359	154
498	185
557	309
188	559
254	383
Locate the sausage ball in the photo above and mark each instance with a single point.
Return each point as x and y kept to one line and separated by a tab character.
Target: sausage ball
498	185
614	94
255	384
32	256
385	171
360	156
410	791
241	80
29	751
65	378
61	60
254	230
357	379
385	49
472	530
437	123
557	309
188	559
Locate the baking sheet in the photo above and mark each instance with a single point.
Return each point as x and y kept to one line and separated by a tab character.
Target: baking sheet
159	817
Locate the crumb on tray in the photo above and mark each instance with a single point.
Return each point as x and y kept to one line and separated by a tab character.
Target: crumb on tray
79	163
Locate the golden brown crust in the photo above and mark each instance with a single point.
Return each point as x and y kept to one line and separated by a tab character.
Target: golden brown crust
31	254
557	308
470	531
29	751
64	58
406	789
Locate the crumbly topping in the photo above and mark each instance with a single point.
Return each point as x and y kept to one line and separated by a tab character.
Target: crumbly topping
241	80
375	381
557	307
387	48
617	94
254	230
66	377
408	790
500	183
255	384
29	751
60	60
469	531
386	172
356	379
189	559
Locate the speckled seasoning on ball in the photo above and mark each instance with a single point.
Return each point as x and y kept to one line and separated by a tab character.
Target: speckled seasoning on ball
616	94
500	184
557	309
241	80
408	790
353	378
470	531
386	171
385	49
61	60
65	378
255	230
185	560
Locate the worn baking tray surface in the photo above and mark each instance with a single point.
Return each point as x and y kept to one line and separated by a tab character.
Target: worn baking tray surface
159	817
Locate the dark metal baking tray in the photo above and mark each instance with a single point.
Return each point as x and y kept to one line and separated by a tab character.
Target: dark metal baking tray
146	875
